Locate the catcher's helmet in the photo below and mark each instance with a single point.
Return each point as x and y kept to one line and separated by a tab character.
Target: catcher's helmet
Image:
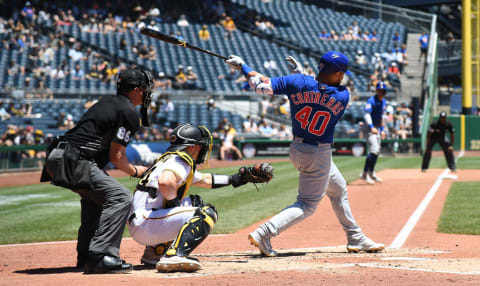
189	135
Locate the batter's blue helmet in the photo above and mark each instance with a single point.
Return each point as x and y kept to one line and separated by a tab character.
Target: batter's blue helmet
381	86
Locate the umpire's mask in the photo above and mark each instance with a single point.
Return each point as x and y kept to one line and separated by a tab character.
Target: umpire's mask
188	135
131	78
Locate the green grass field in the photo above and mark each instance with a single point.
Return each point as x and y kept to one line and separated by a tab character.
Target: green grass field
461	213
48	213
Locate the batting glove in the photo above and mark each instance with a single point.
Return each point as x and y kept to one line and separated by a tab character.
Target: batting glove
294	66
235	61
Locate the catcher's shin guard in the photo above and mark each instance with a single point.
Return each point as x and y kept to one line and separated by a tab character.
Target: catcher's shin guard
194	231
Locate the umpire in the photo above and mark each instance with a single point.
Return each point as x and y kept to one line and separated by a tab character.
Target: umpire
75	161
436	134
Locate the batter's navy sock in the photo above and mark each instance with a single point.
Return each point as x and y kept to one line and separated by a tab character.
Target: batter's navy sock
373	162
368	163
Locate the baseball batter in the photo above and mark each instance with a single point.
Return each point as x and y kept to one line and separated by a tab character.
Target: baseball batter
315	105
374	110
163	217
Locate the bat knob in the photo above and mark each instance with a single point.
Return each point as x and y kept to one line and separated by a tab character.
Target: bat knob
141	26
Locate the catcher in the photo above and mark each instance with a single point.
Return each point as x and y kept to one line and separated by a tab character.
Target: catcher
168	221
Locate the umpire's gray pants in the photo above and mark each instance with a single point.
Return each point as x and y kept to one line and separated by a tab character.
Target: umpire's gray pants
104	211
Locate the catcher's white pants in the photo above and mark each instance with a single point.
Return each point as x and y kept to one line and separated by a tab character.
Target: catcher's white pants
151	227
318	176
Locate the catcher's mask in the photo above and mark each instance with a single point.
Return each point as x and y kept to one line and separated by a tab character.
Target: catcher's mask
129	79
189	135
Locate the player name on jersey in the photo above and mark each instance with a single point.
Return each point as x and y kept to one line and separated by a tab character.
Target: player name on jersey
318	98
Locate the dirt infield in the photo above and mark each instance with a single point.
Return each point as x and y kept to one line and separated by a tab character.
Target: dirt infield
311	253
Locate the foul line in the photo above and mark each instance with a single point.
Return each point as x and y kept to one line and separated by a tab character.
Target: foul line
415	217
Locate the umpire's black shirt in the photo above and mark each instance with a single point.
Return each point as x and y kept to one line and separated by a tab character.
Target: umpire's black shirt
111	119
438	130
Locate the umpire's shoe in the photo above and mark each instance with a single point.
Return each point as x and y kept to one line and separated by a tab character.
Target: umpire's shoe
98	264
261	239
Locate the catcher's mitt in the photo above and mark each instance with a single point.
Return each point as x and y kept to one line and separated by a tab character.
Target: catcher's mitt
258	173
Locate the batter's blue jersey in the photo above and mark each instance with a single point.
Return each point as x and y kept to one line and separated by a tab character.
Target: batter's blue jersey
376	108
315	108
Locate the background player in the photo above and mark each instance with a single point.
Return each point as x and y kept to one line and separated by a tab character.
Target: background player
437	134
315	105
374	110
163	212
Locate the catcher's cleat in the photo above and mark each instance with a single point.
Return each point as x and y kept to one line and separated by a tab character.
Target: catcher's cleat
375	177
364	244
152	254
262	243
177	263
367	178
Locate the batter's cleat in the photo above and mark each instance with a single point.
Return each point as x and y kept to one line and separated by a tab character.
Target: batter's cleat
262	243
367	178
374	177
365	244
177	264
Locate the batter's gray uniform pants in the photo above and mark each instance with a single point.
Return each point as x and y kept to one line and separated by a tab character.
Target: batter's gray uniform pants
318	176
104	211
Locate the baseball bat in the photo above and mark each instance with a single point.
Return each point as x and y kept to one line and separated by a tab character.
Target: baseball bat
171	40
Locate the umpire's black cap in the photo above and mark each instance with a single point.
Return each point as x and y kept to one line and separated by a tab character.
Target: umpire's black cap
443	115
130	78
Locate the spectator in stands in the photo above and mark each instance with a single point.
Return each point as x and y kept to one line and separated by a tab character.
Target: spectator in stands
308	69
423	46
450	45
355	30
404	110
334	35
93	73
75	53
191	78
179	36
396	39
203	34
265	129
324	35
229	26
284	107
393	69
57	73
4	115
232	74
373	36
152	53
110	73
26	110
168	105
180	78
365	36
163	82
27	15
210	102
265	104
182	21
263	25
14	68
13	111
403	51
284	133
61	120
48	55
143	52
360	58
78	73
249	125
8	137
123	44
270	64
227	144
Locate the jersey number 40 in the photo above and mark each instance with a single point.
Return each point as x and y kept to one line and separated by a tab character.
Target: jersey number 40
303	116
